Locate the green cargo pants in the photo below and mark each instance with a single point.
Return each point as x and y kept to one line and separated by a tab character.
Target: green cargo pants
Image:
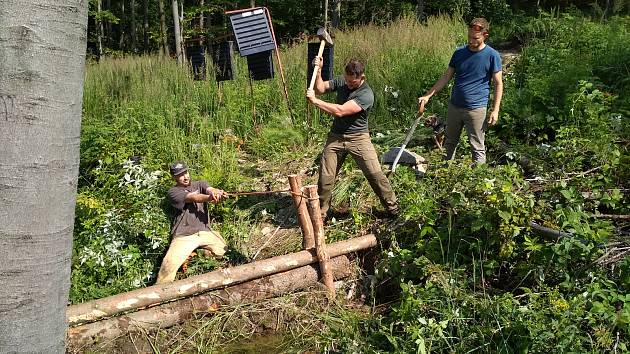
474	120
360	147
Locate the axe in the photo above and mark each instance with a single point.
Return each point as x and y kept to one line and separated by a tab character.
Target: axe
324	38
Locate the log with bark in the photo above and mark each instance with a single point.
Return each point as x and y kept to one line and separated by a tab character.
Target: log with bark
308	241
320	240
156	294
170	314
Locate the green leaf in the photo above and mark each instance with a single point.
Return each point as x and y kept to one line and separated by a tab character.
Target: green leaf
505	215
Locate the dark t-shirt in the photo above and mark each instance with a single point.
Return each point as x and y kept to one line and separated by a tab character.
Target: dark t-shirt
473	72
190	218
363	96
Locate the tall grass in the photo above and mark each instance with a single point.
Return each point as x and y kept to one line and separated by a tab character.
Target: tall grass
155	100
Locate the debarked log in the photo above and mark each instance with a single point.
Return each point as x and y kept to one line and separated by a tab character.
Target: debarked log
153	295
172	313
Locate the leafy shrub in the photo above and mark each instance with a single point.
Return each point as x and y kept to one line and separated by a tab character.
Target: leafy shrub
121	231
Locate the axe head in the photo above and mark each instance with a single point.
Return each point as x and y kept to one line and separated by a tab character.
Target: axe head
324	36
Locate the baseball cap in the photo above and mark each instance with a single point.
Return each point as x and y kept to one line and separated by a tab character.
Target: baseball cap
178	167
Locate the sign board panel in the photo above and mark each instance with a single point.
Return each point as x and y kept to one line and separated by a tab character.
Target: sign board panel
252	31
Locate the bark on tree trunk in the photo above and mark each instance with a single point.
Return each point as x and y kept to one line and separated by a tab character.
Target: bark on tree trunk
145	27
99	30
336	18
42	57
178	35
121	40
164	36
202	3
181	30
420	10
156	294
320	240
108	27
134	32
172	313
304	220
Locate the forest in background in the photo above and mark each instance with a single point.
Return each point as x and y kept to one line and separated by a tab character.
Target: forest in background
117	27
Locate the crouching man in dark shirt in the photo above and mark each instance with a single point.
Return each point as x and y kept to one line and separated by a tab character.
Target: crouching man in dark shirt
190	227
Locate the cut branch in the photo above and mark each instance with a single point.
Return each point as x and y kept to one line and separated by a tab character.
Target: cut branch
612	217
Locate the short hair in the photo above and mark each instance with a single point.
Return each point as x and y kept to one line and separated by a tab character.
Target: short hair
355	67
481	22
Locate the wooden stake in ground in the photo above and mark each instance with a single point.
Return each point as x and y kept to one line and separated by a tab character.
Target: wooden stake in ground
304	219
320	240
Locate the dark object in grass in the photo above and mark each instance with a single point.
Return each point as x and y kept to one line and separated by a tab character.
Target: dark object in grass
197	59
327	69
223	61
260	65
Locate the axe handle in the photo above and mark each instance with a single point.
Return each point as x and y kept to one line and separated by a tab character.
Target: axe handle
407	138
322	44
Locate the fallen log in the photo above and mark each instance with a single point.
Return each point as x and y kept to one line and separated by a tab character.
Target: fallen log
153	295
612	217
545	231
172	313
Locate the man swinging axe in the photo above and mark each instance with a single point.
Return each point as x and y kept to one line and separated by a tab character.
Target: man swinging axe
349	132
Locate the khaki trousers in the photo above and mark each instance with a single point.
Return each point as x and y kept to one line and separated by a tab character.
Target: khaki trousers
360	147
474	120
182	246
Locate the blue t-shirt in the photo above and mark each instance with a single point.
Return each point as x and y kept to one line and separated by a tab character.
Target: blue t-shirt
473	72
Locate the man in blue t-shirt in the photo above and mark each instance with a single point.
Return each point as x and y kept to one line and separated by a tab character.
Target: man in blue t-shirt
473	66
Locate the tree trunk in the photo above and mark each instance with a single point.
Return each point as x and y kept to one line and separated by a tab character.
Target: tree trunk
156	294
172	313
108	26
420	10
134	32
326	14
145	27
202	3
178	35
99	29
42	57
121	40
336	16
181	30
164	42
